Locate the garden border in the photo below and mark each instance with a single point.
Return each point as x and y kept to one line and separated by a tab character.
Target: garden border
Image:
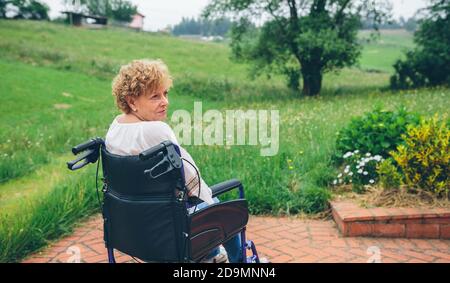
355	221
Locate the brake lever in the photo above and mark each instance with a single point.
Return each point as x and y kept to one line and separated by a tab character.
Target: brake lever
160	163
72	165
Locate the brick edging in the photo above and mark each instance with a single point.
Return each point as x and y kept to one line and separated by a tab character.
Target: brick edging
354	221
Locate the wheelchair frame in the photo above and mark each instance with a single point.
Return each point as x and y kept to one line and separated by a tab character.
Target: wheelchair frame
92	150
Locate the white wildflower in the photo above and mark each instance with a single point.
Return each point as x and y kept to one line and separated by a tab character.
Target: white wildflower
360	171
334	182
365	173
368	154
350	174
340	175
371	181
348	154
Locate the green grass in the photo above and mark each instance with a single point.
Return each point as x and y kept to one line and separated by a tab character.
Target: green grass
45	218
382	53
55	93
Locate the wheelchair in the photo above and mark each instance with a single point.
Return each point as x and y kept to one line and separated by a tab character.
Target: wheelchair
145	207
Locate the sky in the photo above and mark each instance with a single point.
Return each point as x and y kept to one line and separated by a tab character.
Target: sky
161	13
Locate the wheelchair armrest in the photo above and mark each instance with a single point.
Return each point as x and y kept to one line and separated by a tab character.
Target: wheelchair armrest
224	187
218	189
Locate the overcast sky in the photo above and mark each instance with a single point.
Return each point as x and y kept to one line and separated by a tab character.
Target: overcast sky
161	13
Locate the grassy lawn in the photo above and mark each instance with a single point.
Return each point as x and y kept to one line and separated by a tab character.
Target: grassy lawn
55	92
385	50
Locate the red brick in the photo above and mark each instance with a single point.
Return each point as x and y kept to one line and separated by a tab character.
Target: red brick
338	221
398	256
429	231
413	213
380	214
444	256
407	221
359	216
420	256
96	258
277	243
437	220
310	241
445	231
99	248
281	259
359	229
37	260
388	230
267	251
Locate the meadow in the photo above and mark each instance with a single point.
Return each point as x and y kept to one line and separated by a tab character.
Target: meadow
55	92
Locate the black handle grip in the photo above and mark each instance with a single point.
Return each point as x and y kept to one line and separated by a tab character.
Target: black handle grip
82	147
149	153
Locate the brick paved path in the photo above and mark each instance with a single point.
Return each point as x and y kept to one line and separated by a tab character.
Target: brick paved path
278	239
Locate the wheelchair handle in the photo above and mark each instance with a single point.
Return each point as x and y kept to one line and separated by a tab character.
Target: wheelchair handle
149	153
86	158
87	145
92	153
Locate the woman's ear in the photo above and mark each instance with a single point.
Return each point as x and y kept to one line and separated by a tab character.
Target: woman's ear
131	103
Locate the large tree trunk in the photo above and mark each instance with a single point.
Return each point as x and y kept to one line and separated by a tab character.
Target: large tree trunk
312	80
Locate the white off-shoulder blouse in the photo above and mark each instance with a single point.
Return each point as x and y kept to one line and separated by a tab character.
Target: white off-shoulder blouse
133	138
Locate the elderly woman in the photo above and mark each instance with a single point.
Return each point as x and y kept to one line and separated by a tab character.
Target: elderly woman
141	92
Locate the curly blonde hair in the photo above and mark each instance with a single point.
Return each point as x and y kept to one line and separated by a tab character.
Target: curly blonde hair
138	78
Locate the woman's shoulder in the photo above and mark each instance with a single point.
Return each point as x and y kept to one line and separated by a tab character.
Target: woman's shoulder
159	129
120	121
159	125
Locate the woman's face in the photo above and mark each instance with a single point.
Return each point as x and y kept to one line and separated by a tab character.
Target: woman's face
152	106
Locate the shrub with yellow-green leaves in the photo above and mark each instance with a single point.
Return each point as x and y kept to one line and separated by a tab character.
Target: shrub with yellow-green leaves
388	174
424	158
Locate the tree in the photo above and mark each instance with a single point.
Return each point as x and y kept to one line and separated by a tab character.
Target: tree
429	63
410	24
187	26
3	4
202	27
301	39
120	10
25	9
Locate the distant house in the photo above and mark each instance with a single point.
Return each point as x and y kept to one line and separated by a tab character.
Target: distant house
137	22
78	19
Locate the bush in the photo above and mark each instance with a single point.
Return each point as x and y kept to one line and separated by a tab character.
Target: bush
389	176
313	199
429	63
359	170
377	132
424	158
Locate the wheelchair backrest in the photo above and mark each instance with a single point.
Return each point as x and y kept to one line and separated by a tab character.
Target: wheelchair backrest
143	215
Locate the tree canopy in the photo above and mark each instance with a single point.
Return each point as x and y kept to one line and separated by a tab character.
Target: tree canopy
120	10
429	63
200	26
25	9
301	39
